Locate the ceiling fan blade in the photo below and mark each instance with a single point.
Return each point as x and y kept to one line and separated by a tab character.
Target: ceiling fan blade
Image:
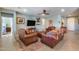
47	13
44	12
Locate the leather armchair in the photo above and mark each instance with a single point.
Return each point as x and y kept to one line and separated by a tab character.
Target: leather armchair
27	38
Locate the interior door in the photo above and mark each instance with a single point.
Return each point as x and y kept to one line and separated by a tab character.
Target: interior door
71	24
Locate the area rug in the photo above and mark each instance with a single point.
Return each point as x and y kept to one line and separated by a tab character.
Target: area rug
32	47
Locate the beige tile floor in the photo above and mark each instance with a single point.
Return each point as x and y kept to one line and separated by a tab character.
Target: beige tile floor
69	43
7	43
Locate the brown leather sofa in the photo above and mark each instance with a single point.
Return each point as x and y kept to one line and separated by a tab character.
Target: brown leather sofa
50	41
30	36
27	38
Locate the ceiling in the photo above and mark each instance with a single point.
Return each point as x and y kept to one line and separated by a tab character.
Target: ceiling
53	11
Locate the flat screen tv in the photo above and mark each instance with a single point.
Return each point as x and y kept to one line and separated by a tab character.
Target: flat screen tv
31	23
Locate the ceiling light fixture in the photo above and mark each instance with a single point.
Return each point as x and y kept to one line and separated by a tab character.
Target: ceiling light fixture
62	10
43	14
25	10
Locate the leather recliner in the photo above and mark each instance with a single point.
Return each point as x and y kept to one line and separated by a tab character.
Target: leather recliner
27	38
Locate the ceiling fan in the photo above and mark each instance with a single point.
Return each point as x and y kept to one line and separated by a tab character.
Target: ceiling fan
44	12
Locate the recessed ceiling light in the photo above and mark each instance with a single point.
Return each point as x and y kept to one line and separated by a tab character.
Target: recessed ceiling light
62	10
25	10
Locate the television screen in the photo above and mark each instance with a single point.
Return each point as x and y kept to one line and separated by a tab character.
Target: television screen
31	23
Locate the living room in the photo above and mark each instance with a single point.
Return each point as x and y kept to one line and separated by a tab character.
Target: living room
31	26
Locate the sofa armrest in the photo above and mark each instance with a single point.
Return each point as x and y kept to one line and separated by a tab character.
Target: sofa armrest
49	37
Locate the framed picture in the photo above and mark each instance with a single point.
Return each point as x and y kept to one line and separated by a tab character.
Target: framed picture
20	20
38	19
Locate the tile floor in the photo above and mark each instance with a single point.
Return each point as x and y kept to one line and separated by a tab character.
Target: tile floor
69	43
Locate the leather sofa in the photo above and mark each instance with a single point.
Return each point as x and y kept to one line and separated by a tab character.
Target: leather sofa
27	38
50	41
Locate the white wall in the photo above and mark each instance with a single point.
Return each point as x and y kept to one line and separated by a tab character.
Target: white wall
77	24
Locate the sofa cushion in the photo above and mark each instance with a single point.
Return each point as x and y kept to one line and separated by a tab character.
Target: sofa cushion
30	30
52	34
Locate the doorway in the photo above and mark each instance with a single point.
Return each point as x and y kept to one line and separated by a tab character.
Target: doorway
7	37
71	24
7	24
